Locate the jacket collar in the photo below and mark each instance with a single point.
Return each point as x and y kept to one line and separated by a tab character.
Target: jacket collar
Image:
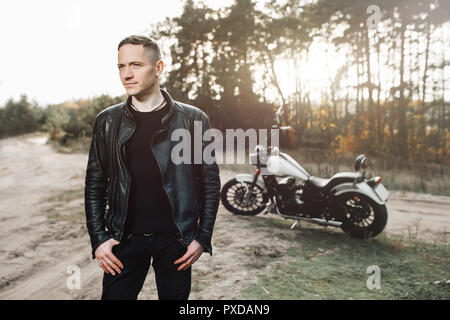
165	119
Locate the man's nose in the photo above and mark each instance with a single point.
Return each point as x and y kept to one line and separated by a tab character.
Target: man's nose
128	74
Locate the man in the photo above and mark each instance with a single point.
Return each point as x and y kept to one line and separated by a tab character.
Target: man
141	207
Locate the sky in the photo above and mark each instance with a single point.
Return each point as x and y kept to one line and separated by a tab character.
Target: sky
53	50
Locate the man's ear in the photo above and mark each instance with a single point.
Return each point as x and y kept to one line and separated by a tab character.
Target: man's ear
159	68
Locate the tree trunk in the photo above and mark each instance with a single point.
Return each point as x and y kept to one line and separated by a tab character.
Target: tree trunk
369	88
402	141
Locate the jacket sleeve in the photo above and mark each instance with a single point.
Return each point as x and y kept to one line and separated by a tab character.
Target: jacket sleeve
95	192
209	186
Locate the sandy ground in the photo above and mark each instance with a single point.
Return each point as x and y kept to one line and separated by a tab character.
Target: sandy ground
43	235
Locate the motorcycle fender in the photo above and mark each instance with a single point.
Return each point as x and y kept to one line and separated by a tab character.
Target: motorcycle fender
244	177
361	187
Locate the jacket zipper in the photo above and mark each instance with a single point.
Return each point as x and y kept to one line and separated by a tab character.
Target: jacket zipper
112	180
128	181
164	186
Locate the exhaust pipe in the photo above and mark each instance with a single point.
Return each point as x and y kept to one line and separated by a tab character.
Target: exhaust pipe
322	222
326	222
312	220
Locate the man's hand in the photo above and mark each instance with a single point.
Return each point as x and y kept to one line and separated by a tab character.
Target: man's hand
106	259
194	251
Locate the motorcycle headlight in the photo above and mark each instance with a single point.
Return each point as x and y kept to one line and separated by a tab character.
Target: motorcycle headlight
274	151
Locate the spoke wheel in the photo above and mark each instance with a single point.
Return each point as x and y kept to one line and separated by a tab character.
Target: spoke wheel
233	196
363	217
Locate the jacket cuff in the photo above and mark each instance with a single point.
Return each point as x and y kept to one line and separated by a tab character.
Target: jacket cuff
100	238
206	243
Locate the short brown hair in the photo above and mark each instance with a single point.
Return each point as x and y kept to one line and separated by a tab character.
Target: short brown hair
150	46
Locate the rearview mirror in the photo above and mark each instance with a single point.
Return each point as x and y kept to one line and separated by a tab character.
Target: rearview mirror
278	114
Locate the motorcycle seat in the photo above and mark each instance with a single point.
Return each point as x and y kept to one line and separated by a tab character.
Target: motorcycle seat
319	182
340	177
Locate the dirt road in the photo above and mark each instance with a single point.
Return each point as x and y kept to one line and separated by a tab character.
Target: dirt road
43	237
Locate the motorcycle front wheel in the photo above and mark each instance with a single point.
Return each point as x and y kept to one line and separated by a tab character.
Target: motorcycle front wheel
233	198
362	217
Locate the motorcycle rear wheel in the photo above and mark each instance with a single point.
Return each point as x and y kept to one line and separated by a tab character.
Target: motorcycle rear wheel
363	217
232	196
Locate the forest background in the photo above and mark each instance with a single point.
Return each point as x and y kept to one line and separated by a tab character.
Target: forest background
353	76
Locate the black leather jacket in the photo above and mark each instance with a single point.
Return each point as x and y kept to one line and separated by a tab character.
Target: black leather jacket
193	189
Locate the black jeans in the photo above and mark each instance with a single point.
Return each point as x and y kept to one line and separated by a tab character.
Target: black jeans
136	254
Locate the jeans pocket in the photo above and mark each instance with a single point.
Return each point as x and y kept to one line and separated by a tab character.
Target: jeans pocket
117	248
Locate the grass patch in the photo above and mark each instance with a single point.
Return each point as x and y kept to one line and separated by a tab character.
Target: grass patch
78	145
73	217
406	175
61	208
327	264
67	195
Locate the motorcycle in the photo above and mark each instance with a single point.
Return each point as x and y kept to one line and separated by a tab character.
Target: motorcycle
283	187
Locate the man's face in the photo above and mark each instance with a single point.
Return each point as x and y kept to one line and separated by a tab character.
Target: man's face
138	74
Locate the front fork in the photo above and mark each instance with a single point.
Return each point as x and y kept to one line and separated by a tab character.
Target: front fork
249	190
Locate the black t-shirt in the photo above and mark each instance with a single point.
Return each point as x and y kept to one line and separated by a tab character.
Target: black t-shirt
148	205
